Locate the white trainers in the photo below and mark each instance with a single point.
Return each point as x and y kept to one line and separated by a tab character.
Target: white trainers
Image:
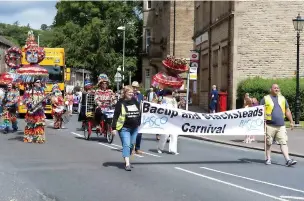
159	151
268	162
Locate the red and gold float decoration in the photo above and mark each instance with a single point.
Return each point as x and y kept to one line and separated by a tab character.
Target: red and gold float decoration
174	67
13	58
34	55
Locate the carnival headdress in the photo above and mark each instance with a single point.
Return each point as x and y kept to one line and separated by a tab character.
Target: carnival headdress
103	78
170	78
87	83
34	55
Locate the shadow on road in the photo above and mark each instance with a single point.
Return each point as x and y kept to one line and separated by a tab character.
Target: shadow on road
94	139
149	139
119	164
17	138
249	160
155	151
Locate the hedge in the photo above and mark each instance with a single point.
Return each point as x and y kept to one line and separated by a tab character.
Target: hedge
259	87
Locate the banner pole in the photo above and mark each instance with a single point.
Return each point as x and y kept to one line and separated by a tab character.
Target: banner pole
265	140
188	86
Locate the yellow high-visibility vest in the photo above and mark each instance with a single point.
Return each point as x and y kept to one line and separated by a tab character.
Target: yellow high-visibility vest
269	105
121	119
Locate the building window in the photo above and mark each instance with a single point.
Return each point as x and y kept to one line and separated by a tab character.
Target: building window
149	4
147	73
148	39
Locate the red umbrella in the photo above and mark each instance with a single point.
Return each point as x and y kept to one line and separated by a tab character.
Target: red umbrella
28	73
6	78
167	80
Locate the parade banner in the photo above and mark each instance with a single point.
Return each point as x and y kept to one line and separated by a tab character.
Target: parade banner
157	119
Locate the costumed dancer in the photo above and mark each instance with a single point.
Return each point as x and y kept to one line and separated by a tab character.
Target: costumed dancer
167	81
104	98
88	89
58	106
35	117
10	105
34	97
10	98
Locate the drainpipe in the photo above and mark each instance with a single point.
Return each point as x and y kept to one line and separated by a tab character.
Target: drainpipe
210	49
174	14
230	70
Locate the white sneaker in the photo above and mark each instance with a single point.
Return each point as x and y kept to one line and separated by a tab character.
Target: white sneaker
159	151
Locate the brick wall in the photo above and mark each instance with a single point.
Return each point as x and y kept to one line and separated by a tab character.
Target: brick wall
266	38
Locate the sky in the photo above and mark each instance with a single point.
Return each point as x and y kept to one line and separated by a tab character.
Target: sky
33	12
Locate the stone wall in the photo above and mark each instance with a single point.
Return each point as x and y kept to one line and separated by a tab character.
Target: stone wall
266	41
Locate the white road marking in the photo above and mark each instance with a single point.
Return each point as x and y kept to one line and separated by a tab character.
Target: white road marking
250	179
108	146
137	154
292	197
121	147
230	184
77	134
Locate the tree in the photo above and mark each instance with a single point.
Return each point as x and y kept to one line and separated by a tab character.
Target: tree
16	23
88	32
43	27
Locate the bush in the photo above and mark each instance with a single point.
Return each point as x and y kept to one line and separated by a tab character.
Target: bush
259	87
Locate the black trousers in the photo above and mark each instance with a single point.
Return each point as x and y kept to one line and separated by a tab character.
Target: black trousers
98	116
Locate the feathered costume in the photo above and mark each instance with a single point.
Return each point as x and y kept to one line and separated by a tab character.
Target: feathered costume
58	106
35	121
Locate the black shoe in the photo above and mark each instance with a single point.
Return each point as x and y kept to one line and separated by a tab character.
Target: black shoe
6	131
291	162
128	168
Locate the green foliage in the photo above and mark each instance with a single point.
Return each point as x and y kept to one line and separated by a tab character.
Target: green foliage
18	34
88	32
258	87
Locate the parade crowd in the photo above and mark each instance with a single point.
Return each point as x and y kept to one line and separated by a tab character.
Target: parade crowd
126	103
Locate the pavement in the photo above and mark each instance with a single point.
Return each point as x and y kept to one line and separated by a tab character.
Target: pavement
295	140
69	168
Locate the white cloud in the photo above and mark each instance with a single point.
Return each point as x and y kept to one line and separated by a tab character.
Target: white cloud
34	13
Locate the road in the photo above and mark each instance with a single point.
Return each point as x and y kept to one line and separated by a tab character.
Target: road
69	168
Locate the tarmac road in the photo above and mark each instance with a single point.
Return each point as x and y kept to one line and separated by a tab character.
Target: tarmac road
69	168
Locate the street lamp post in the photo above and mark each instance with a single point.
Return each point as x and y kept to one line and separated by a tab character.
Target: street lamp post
38	40
123	28
298	24
117	78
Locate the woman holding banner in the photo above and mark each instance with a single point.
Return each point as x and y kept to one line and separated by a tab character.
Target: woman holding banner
170	79
168	101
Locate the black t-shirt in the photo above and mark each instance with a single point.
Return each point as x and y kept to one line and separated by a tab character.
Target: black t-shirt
132	108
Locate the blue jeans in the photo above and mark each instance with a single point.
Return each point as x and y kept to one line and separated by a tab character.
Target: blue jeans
128	139
138	141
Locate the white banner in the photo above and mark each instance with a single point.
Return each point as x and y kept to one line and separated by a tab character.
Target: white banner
157	119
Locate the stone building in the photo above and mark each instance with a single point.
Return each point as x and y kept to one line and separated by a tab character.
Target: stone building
240	39
167	29
4	45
